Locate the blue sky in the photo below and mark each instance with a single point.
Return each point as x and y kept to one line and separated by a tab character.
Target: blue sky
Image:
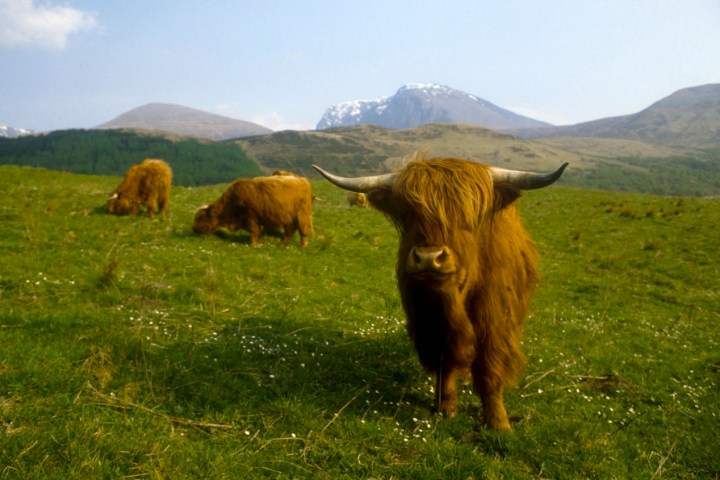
281	63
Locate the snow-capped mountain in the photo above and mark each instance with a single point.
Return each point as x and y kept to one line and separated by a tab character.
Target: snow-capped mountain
418	104
11	132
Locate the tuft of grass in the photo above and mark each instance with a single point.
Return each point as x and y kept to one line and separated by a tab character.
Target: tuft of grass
198	356
109	273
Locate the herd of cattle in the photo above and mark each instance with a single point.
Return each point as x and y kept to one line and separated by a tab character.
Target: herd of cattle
466	267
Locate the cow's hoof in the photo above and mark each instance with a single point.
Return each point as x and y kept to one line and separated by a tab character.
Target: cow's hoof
447	411
499	424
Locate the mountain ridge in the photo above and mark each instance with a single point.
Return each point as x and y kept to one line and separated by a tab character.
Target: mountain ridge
687	118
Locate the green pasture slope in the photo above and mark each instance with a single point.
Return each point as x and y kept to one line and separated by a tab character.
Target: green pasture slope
132	348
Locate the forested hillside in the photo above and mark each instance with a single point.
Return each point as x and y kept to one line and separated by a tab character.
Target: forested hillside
690	176
108	152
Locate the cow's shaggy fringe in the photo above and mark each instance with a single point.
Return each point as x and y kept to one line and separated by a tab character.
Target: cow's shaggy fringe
445	193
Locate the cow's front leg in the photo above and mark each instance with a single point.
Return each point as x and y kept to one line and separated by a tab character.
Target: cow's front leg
289	232
493	407
446	390
253	226
152	206
458	356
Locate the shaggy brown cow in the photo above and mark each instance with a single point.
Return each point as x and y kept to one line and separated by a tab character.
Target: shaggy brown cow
262	203
283	173
466	270
145	184
357	199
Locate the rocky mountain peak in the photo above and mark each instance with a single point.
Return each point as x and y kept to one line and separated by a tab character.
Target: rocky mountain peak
416	104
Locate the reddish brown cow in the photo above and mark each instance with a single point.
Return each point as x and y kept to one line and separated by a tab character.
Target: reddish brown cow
466	270
145	184
357	199
257	204
283	173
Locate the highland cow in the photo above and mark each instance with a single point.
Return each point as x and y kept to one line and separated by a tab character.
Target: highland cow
145	184
466	270
357	199
260	204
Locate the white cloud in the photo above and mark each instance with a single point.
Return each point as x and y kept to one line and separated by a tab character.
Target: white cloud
278	122
226	110
274	121
542	116
22	23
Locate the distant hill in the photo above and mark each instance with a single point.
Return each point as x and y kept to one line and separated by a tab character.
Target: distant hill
368	149
414	105
610	164
689	118
184	121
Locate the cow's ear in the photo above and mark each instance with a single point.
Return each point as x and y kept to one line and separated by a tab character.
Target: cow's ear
381	199
505	194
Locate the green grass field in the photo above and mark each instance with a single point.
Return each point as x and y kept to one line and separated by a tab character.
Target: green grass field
132	348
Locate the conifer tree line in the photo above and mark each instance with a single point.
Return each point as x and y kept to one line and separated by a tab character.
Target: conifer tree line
108	152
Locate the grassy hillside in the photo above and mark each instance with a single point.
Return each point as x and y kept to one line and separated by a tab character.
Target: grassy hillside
368	149
133	348
679	175
609	164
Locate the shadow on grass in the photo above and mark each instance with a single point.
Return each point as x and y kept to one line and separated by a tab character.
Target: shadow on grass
100	210
259	367
142	213
273	236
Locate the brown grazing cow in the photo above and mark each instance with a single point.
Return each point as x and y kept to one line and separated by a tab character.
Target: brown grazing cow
257	204
466	270
357	199
284	173
145	184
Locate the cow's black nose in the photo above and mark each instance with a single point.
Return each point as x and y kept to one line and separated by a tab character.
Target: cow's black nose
428	259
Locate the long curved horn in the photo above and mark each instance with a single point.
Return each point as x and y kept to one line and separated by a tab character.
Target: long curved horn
527	180
114	196
359	184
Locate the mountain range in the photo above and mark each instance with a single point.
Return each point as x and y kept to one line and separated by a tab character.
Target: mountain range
672	147
184	121
688	119
419	104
